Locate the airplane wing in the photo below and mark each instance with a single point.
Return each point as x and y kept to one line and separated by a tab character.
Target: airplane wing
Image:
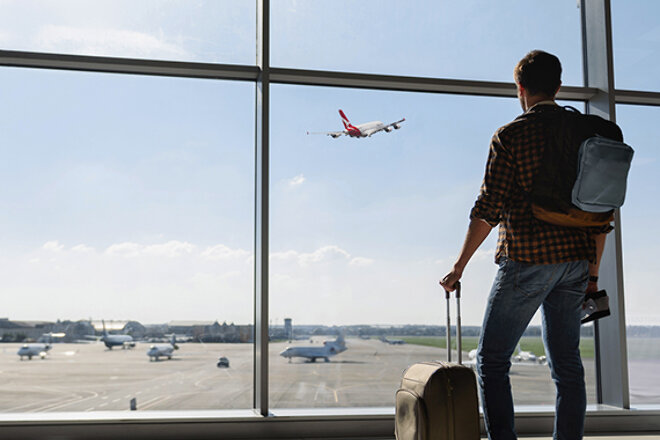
334	134
387	128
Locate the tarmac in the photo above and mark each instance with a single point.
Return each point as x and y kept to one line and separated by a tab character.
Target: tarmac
89	377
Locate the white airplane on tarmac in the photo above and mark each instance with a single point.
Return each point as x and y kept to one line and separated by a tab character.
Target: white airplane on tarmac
518	358
157	351
528	356
361	130
34	349
38	348
392	341
329	348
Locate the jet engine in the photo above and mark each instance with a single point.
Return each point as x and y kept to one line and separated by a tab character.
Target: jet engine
396	126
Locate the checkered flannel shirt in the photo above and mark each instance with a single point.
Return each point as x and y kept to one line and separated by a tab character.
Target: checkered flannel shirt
515	154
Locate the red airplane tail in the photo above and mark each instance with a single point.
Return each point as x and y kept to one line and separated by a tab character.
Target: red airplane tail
344	119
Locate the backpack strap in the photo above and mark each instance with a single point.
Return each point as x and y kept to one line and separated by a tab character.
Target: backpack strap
572	109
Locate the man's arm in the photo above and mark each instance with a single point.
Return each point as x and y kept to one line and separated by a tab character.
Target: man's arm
477	232
487	210
592	286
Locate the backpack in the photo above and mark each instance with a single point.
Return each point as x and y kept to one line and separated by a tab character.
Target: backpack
582	176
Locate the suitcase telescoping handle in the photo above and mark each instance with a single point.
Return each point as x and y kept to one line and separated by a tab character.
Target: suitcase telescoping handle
459	344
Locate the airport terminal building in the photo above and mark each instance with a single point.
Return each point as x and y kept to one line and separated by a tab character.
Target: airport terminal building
231	182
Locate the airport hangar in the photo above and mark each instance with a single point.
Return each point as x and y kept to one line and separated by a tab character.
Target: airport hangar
598	92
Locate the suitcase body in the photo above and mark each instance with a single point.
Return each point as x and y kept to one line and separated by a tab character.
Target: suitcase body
438	400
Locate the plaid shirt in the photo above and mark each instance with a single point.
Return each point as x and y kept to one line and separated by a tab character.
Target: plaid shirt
515	154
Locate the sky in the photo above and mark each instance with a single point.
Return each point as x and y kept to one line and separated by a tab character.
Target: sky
128	197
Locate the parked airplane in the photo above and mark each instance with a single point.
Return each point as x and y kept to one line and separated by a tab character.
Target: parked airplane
125	341
528	356
34	349
362	130
329	348
392	341
157	351
520	357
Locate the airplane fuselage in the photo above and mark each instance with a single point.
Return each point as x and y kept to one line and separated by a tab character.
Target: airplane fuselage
157	351
123	341
30	350
330	348
364	130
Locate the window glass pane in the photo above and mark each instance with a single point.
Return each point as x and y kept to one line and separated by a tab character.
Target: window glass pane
219	31
361	232
126	201
471	39
636	42
639	125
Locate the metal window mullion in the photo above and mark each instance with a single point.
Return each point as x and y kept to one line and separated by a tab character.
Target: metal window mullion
610	334
130	66
399	83
636	97
184	69
262	106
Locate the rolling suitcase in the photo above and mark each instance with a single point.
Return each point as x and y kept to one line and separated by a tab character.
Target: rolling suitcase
438	400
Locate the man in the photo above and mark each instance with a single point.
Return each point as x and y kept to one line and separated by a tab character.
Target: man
540	264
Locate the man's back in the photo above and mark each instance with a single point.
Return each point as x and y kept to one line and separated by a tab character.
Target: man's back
517	151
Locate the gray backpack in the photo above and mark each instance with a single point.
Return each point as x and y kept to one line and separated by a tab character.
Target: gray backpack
582	175
603	166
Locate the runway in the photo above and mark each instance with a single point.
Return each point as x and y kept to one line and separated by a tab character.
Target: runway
89	377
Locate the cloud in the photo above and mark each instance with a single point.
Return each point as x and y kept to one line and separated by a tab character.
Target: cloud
53	246
82	248
177	279
296	181
222	252
107	41
484	254
171	249
361	261
324	254
148	282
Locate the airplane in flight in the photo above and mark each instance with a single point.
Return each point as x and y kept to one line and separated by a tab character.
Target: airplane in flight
361	130
329	348
392	341
157	351
125	341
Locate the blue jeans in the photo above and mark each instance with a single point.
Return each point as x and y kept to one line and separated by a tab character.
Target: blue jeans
518	291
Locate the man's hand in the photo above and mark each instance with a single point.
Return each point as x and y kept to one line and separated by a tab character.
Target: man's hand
592	287
477	232
449	281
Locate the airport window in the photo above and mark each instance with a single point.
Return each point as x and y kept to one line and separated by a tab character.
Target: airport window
424	38
127	204
640	254
362	229
635	39
218	31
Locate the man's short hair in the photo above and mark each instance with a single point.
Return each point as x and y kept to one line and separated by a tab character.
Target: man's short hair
538	72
